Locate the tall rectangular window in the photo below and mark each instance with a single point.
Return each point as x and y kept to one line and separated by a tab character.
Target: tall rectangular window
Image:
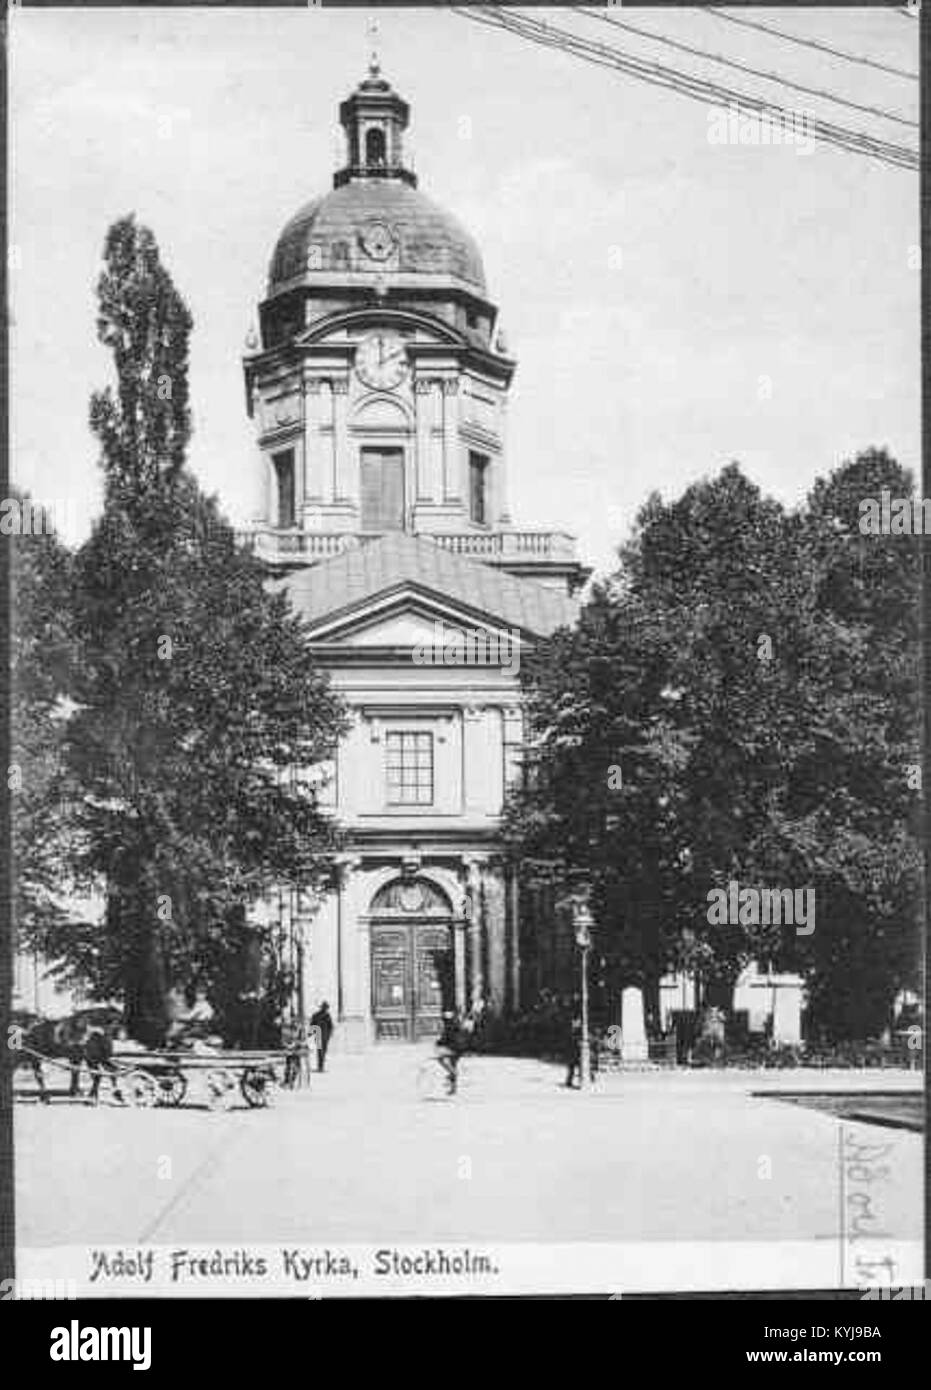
285	481
382	488
478	488
409	767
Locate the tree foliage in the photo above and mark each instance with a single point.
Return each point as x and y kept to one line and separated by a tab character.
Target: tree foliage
42	656
752	673
197	694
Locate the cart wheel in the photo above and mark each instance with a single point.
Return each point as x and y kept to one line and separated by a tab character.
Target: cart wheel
139	1090
172	1088
219	1086
256	1087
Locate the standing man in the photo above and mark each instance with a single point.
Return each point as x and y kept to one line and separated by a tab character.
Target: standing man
98	1054
574	1046
322	1024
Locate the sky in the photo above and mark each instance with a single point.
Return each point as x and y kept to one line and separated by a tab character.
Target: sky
673	304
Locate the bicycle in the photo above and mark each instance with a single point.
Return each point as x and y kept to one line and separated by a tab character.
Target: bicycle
438	1077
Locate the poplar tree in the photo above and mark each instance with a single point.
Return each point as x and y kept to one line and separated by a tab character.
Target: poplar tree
200	706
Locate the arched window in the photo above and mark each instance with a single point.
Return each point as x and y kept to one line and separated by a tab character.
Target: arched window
375	147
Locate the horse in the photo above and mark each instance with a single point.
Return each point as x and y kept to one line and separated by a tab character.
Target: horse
82	1039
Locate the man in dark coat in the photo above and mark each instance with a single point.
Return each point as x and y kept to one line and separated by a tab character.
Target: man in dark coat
98	1054
322	1024
574	1049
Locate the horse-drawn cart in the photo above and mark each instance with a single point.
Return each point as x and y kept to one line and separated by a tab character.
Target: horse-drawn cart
162	1078
86	1042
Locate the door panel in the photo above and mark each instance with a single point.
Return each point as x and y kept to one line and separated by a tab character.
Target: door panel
412	974
391	985
432	956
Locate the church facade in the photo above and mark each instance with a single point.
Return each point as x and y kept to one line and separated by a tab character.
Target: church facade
378	386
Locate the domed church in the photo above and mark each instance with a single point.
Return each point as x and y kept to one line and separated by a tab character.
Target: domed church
378	386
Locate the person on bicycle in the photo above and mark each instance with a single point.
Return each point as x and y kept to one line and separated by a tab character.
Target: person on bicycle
450	1046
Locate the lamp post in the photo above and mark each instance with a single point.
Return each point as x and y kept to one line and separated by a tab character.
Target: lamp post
582	922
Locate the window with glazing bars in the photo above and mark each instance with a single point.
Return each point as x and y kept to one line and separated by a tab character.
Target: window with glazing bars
409	763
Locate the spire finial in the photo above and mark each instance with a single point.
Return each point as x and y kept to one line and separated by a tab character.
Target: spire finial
371	30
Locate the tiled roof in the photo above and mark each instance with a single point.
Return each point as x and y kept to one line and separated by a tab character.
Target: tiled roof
388	563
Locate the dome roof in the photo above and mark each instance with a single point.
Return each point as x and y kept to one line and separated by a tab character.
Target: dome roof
375	225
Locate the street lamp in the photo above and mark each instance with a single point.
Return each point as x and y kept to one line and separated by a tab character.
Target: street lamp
582	922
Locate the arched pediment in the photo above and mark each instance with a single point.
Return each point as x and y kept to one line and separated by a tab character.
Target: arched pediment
355	321
409	897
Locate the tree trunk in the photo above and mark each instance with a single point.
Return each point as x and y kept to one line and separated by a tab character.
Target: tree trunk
146	992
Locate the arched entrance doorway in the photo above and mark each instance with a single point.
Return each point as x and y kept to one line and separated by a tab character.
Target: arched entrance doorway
412	959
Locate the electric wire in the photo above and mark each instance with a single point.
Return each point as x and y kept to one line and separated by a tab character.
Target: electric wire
745	67
699	89
808	43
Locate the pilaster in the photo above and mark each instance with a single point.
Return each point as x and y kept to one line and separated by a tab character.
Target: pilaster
452	483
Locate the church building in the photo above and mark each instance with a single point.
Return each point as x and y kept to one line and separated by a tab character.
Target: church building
378	386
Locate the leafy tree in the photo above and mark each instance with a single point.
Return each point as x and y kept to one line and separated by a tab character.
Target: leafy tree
752	674
596	800
199	699
853	820
42	654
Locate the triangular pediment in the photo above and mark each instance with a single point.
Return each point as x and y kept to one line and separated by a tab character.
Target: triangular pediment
404	619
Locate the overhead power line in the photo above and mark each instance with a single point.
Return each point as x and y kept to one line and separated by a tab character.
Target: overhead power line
745	67
674	79
809	43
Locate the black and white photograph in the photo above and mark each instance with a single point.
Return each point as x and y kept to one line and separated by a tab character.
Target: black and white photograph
467	725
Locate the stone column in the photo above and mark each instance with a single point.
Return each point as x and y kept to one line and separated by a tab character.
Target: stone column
341	479
315	469
474	885
501	515
352	955
260	494
495	928
459	928
452	482
425	402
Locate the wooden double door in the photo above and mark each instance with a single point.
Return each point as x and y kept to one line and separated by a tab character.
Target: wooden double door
412	979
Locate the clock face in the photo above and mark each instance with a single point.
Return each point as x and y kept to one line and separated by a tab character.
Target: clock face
381	361
377	240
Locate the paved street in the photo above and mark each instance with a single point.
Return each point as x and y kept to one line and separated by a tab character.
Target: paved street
361	1157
